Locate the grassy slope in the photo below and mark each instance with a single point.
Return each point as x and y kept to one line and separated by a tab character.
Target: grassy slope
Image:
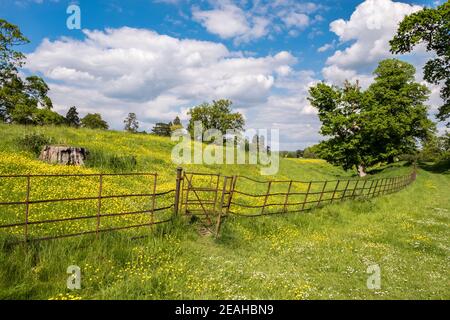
320	254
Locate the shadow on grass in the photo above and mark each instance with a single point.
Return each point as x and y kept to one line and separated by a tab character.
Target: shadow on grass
438	167
374	171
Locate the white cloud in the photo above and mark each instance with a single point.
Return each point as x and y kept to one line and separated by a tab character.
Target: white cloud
292	19
370	27
117	71
326	47
227	21
247	21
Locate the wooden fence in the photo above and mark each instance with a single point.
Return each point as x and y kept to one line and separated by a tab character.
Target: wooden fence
212	197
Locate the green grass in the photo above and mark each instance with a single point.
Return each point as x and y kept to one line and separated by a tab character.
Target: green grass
320	254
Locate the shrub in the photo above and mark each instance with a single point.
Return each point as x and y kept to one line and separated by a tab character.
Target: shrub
34	142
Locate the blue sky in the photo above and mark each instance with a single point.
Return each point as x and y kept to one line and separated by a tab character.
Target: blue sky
158	58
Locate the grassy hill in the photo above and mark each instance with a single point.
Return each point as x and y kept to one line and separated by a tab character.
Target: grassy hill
320	254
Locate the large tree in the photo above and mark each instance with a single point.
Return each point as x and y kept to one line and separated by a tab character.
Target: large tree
341	112
217	115
367	127
431	27
23	101
94	121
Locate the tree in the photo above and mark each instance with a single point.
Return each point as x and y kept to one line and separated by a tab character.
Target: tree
177	121
10	59
43	117
21	101
72	117
311	152
131	123
94	121
432	27
162	129
398	111
217	115
176	124
377	125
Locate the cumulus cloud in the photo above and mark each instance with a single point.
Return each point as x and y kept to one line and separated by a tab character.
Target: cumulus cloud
258	19
116	71
370	27
229	21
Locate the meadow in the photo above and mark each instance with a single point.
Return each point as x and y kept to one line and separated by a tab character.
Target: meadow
320	254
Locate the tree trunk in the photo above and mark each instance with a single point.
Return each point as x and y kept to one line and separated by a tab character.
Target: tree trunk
63	155
362	170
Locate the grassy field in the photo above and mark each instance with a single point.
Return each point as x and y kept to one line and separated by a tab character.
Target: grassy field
321	254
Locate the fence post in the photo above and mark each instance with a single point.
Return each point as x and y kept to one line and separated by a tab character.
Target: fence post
266	197
354	190
216	192
321	193
345	190
222	199
99	204
335	189
374	189
177	190
27	207
287	196
152	217
306	196
230	196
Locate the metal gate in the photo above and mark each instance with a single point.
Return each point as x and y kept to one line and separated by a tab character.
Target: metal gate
206	196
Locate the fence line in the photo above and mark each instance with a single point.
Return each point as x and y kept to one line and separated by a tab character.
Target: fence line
322	194
215	196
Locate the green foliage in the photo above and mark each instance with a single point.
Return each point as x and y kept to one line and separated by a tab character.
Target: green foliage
48	117
21	101
131	123
341	113
432	27
217	115
376	125
10	59
397	114
110	161
72	118
94	121
33	142
436	149
311	152
162	129
290	154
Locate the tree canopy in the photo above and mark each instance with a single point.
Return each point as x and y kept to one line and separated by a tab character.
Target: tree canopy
23	101
94	121
162	129
217	115
431	27
366	127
